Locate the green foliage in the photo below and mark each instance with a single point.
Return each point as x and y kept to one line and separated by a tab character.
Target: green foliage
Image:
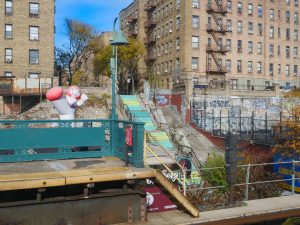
128	57
215	177
292	221
102	61
83	42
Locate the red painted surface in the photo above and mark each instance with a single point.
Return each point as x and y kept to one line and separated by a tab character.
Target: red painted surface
262	152
176	100
158	201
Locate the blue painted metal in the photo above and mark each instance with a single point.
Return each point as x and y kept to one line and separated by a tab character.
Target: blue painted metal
287	170
49	140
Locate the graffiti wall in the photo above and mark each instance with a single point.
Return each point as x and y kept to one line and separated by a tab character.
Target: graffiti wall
220	114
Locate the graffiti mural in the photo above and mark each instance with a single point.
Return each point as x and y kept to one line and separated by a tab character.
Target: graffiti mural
249	117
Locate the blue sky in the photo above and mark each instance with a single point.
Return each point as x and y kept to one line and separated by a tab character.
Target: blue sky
98	13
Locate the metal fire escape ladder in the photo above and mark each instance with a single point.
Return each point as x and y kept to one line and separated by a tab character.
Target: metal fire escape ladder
218	12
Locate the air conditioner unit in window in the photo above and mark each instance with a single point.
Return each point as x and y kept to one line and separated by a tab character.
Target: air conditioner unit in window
271	73
170	30
250	71
196	6
158	73
158	54
166	71
158	36
177	48
166	51
250	32
8	61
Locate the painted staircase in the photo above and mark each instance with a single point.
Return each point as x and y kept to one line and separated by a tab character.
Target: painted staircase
136	112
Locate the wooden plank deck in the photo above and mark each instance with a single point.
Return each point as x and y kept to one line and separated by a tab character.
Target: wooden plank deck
41	174
254	211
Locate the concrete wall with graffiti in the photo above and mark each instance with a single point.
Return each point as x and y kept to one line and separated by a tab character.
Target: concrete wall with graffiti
222	114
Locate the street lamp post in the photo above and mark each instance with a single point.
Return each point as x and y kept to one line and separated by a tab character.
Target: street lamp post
118	39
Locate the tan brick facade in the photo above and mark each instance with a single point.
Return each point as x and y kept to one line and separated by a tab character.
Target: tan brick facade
174	61
20	43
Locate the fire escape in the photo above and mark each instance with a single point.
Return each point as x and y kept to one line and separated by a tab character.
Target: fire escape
132	21
216	50
149	26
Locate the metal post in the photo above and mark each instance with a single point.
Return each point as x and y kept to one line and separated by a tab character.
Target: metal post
252	127
293	178
220	120
266	127
213	121
228	120
240	124
247	182
280	125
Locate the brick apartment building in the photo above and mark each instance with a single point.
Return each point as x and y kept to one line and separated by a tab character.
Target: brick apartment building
27	38
240	44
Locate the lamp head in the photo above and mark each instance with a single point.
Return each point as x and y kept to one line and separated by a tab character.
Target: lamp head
119	39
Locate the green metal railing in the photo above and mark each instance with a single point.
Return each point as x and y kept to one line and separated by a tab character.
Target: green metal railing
54	139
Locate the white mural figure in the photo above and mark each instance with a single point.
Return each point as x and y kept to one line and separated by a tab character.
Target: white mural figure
66	105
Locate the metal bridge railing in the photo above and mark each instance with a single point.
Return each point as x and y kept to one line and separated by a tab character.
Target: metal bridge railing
153	140
289	180
56	139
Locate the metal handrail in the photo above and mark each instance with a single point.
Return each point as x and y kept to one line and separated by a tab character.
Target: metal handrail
170	171
183	183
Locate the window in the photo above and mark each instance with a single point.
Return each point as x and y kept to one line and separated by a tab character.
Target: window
8	55
250	28
250	9
178	23
177	43
195	21
33	33
259	10
259	29
296	18
295	52
295	35
195	4
287	34
271	32
177	4
271	49
279	32
259	47
234	84
279	14
239	26
287	16
34	75
258	67
195	42
240	46
287	51
229	25
250	67
8	31
278	50
240	7
33	56
287	70
195	63
271	14
8	7
279	68
271	67
296	2
177	64
288	2
229	6
295	71
250	47
248	84
228	65
34	9
239	66
8	74
228	45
